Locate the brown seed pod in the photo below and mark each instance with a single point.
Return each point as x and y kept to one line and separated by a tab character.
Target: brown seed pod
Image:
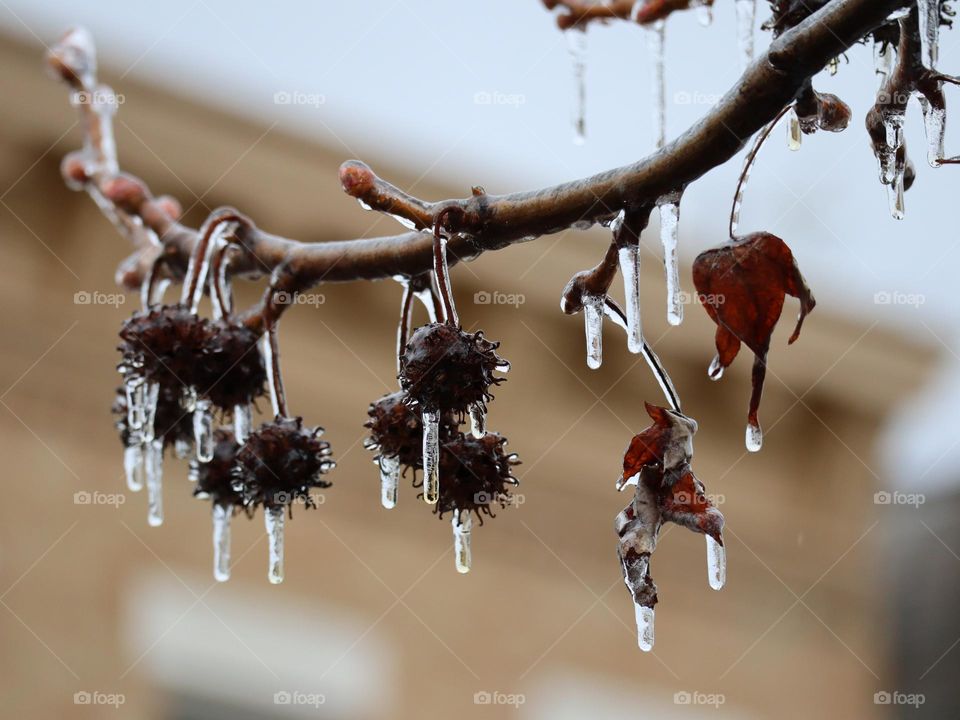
171	422
445	368
214	479
232	365
279	463
396	429
475	475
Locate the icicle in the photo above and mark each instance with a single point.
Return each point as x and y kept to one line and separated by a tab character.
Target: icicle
833	66
793	130
150	398
181	448
431	456
893	126
462	526
935	125
200	272
746	19
593	306
135	389
577	46
134	465
669	207
644	626
656	40
895	196
716	563
389	479
426	299
153	466
221	541
273	519
883	57
242	422
715	371
754	437
203	430
630	270
929	32
704	12
478	420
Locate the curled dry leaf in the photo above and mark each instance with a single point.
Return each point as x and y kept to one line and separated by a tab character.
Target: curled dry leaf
743	285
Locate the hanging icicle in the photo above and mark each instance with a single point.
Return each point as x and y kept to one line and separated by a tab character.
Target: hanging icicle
704	11
462	523
626	234
215	482
221	541
929	16
935	126
656	43
669	210
577	46
273	519
389	480
746	19
794	134
593	328
431	456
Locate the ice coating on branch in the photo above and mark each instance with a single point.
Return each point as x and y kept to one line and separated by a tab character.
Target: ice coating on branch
935	126
669	209
929	32
577	46
266	350
273	519
221	541
629	257
431	456
794	134
746	18
153	471
478	419
716	564
656	41
389	480
593	309
462	523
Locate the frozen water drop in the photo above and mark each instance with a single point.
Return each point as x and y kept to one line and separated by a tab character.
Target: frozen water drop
630	270
656	41
273	520
203	430
669	208
221	541
153	466
895	197
242	422
715	371
431	456
462	526
593	327
935	125
577	46
746	19
478	420
389	480
716	563
364	205
134	466
793	130
929	32
754	437
645	618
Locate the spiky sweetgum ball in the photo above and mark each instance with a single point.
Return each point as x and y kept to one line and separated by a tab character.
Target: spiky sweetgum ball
475	475
232	365
171	421
445	368
279	463
396	429
214	479
163	345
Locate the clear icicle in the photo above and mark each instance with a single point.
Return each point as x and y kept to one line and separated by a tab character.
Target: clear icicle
883	57
716	563
794	137
577	46
656	41
426	299
203	430
929	32
630	271
893	127
704	12
273	519
593	306
746	19
645	618
153	469
669	208
149	412
134	465
478	420
221	541
181	448
135	388
895	196
431	456
389	480
242	422
462	526
715	371
754	437
935	125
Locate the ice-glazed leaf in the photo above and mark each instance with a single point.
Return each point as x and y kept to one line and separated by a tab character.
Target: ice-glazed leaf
685	503
667	443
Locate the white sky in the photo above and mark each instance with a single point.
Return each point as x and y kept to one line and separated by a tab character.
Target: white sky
398	80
